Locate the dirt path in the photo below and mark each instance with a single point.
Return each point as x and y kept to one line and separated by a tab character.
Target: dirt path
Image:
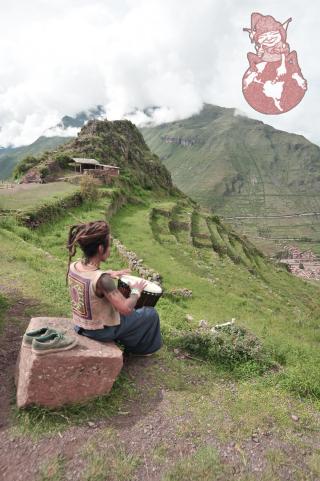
10	341
20	456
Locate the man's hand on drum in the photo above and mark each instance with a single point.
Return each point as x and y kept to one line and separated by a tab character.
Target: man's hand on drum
122	304
116	274
140	285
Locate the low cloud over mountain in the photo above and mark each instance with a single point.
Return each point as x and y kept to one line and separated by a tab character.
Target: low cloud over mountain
62	58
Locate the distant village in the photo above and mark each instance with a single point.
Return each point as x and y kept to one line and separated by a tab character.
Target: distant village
301	263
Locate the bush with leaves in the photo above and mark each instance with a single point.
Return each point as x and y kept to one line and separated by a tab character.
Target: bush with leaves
89	188
228	345
63	160
24	165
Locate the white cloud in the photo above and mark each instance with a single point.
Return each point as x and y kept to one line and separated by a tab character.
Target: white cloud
59	58
239	113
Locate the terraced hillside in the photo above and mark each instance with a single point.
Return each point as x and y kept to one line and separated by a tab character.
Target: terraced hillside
243	409
246	171
187	224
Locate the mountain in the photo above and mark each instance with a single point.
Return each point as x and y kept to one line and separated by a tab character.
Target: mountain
118	142
55	136
241	167
81	118
11	156
67	128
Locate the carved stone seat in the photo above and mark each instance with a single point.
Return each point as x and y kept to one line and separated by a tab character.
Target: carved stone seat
76	375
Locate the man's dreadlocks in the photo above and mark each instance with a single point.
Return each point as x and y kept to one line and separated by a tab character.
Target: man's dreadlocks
88	236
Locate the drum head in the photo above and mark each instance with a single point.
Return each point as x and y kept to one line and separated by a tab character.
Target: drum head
151	287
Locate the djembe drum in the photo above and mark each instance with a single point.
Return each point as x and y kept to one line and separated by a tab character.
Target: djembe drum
149	296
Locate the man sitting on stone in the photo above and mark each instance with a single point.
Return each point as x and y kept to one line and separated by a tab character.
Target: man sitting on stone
100	311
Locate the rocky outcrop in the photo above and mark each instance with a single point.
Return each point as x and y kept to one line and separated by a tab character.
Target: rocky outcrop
87	370
32	176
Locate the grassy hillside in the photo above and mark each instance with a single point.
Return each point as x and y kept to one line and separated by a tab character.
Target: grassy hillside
208	407
10	157
243	409
241	167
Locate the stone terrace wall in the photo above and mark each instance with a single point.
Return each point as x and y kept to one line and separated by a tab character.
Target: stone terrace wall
137	264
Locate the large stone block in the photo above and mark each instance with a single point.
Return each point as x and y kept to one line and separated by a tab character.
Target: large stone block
87	370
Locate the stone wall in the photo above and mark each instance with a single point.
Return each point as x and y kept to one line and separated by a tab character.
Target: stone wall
137	264
145	272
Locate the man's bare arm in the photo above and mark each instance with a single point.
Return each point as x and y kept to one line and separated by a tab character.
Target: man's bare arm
107	287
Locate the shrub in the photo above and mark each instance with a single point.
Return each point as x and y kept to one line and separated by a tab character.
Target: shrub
24	165
48	212
63	160
44	171
229	345
89	188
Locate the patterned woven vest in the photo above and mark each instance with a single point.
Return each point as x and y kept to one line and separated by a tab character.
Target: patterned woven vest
89	311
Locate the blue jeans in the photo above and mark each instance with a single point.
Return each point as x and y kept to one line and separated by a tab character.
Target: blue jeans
138	332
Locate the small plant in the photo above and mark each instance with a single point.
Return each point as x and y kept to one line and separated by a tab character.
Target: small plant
204	464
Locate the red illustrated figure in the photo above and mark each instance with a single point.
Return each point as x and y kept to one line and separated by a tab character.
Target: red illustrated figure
273	83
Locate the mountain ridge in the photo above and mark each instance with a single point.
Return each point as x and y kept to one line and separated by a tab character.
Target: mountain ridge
116	142
239	166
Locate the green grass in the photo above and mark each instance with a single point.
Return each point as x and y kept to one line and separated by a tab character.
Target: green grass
107	460
33	195
52	470
204	465
279	308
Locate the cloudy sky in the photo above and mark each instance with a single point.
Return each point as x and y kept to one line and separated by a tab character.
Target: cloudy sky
60	57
